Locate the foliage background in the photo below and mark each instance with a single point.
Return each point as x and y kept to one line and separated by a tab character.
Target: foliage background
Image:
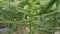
32	16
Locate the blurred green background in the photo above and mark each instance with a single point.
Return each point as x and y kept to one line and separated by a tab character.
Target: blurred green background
30	16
